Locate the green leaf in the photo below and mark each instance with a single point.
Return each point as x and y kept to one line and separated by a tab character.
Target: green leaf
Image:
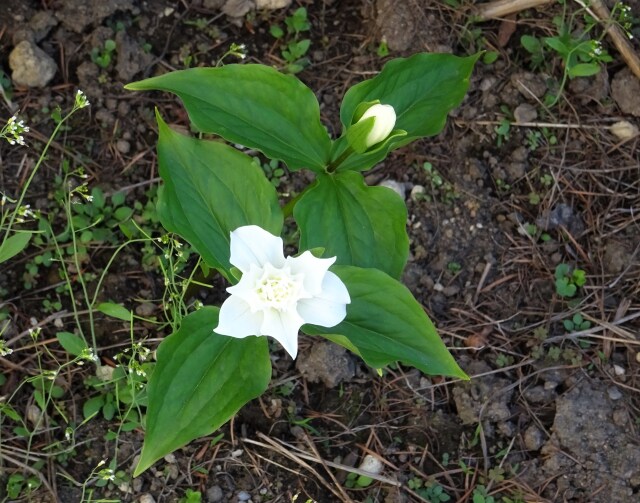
584	70
200	381
360	225
210	190
14	245
387	324
253	105
531	44
92	406
276	31
115	311
72	343
422	89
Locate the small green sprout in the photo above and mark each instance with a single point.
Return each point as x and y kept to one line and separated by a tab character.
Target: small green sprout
576	324
568	281
102	56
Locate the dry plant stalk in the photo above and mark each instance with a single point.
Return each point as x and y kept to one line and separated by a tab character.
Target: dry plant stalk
502	8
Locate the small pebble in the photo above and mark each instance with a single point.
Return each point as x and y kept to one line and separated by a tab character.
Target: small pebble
417	192
147	498
533	438
371	464
214	494
614	393
624	130
619	371
123	146
397	187
244	496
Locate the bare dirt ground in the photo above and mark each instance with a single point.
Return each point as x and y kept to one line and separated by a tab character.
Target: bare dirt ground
513	187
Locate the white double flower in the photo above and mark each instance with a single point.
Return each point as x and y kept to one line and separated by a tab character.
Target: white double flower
276	295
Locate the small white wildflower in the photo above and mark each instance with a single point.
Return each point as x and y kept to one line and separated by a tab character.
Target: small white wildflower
4	350
81	99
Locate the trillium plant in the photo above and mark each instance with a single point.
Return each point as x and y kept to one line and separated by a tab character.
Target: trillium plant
342	283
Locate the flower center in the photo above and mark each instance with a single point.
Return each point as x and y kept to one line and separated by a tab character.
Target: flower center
278	288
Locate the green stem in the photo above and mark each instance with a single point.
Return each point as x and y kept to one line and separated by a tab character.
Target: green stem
337	162
287	209
23	193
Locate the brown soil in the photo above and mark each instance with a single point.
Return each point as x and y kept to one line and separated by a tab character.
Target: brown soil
549	415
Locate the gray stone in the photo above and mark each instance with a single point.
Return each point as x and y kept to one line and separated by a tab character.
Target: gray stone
272	4
483	398
397	23
616	256
529	84
525	112
561	215
214	494
599	460
76	15
326	362
131	58
625	89
614	393
41	23
533	438
32	67
397	187
213	4
237	8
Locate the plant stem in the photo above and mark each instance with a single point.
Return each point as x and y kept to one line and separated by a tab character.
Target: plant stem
337	162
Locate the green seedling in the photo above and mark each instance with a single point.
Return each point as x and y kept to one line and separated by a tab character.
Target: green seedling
295	48
581	55
191	497
357	481
481	495
102	56
430	491
502	131
568	281
576	324
440	188
383	49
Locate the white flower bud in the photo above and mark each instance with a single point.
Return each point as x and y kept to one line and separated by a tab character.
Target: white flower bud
385	120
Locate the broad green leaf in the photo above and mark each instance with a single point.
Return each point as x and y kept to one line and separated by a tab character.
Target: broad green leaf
253	105
211	189
360	225
422	89
387	324
200	381
115	311
72	343
14	245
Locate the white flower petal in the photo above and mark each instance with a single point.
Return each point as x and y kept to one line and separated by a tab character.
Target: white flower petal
245	288
237	320
251	244
330	307
385	120
283	326
313	269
